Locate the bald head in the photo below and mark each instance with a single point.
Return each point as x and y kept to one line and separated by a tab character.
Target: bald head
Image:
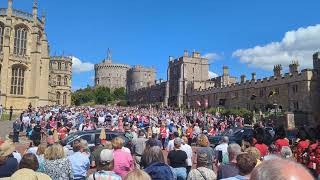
279	169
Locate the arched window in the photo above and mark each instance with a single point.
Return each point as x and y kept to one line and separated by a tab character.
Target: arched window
59	80
65	80
1	36
59	65
58	98
64	98
20	41
17	80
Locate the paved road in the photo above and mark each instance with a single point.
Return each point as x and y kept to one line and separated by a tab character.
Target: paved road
5	128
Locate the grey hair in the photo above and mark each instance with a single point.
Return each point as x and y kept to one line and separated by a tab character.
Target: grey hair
286	152
234	150
273	169
225	139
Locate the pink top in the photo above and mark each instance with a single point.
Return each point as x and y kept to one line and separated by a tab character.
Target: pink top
123	162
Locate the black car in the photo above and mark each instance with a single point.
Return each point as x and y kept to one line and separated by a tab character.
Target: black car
93	137
235	135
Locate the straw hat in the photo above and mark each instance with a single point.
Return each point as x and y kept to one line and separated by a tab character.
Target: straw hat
6	148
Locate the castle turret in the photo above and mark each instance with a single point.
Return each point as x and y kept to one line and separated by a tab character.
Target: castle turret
43	17
9	11
35	10
185	53
243	78
253	76
195	54
225	71
316	61
294	67
277	70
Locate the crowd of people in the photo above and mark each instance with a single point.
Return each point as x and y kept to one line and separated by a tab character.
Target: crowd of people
163	144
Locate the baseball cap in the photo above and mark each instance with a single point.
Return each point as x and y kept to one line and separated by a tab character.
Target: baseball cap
106	155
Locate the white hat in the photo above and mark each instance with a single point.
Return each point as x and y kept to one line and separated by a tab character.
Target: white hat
106	155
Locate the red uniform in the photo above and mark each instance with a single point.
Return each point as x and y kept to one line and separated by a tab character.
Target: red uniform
263	149
301	147
280	143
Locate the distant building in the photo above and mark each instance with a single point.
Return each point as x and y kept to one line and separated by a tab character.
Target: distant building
188	85
140	77
60	79
108	74
24	60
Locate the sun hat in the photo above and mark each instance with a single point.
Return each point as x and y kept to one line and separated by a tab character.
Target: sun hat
6	148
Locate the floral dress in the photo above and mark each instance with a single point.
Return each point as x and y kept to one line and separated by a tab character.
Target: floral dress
59	169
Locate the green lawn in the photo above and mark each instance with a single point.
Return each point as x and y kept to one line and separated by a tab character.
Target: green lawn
5	117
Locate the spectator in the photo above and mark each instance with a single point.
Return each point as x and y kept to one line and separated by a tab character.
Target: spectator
154	164
223	147
29	161
281	139
139	144
16	130
246	163
137	175
177	159
202	173
187	148
56	165
279	169
8	164
170	146
255	152
40	156
105	167
33	147
123	162
80	162
153	141
205	154
1	111
286	153
28	174
230	169
260	135
96	153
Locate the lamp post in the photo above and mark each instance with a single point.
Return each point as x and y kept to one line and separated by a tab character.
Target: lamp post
275	105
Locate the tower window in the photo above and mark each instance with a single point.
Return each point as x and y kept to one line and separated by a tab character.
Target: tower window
17	80
59	65
58	98
59	80
1	36
20	41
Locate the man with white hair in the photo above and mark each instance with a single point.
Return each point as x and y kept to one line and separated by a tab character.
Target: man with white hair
230	169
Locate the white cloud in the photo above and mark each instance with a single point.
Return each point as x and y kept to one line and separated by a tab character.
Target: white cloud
211	56
298	45
212	75
79	66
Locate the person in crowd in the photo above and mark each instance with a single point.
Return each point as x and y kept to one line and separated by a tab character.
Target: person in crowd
105	167
286	153
189	133
260	136
56	165
36	132
223	147
153	162
204	153
29	161
163	131
139	145
170	145
302	145
153	141
202	172
187	148
279	169
177	159
10	113
8	164
230	169
281	139
123	163
96	153
137	175
1	111
16	130
246	163
80	162
33	147
254	152
40	156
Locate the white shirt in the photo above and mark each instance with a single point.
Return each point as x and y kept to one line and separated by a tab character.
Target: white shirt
33	150
186	148
222	147
170	146
17	156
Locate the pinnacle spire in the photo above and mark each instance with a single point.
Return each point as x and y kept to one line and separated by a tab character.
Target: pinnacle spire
109	55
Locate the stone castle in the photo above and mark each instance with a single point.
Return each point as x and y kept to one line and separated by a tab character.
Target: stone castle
189	85
111	75
28	75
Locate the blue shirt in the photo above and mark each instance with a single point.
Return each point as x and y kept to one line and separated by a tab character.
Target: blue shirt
238	177
80	164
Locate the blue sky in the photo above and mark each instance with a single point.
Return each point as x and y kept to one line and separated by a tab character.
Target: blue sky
246	35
